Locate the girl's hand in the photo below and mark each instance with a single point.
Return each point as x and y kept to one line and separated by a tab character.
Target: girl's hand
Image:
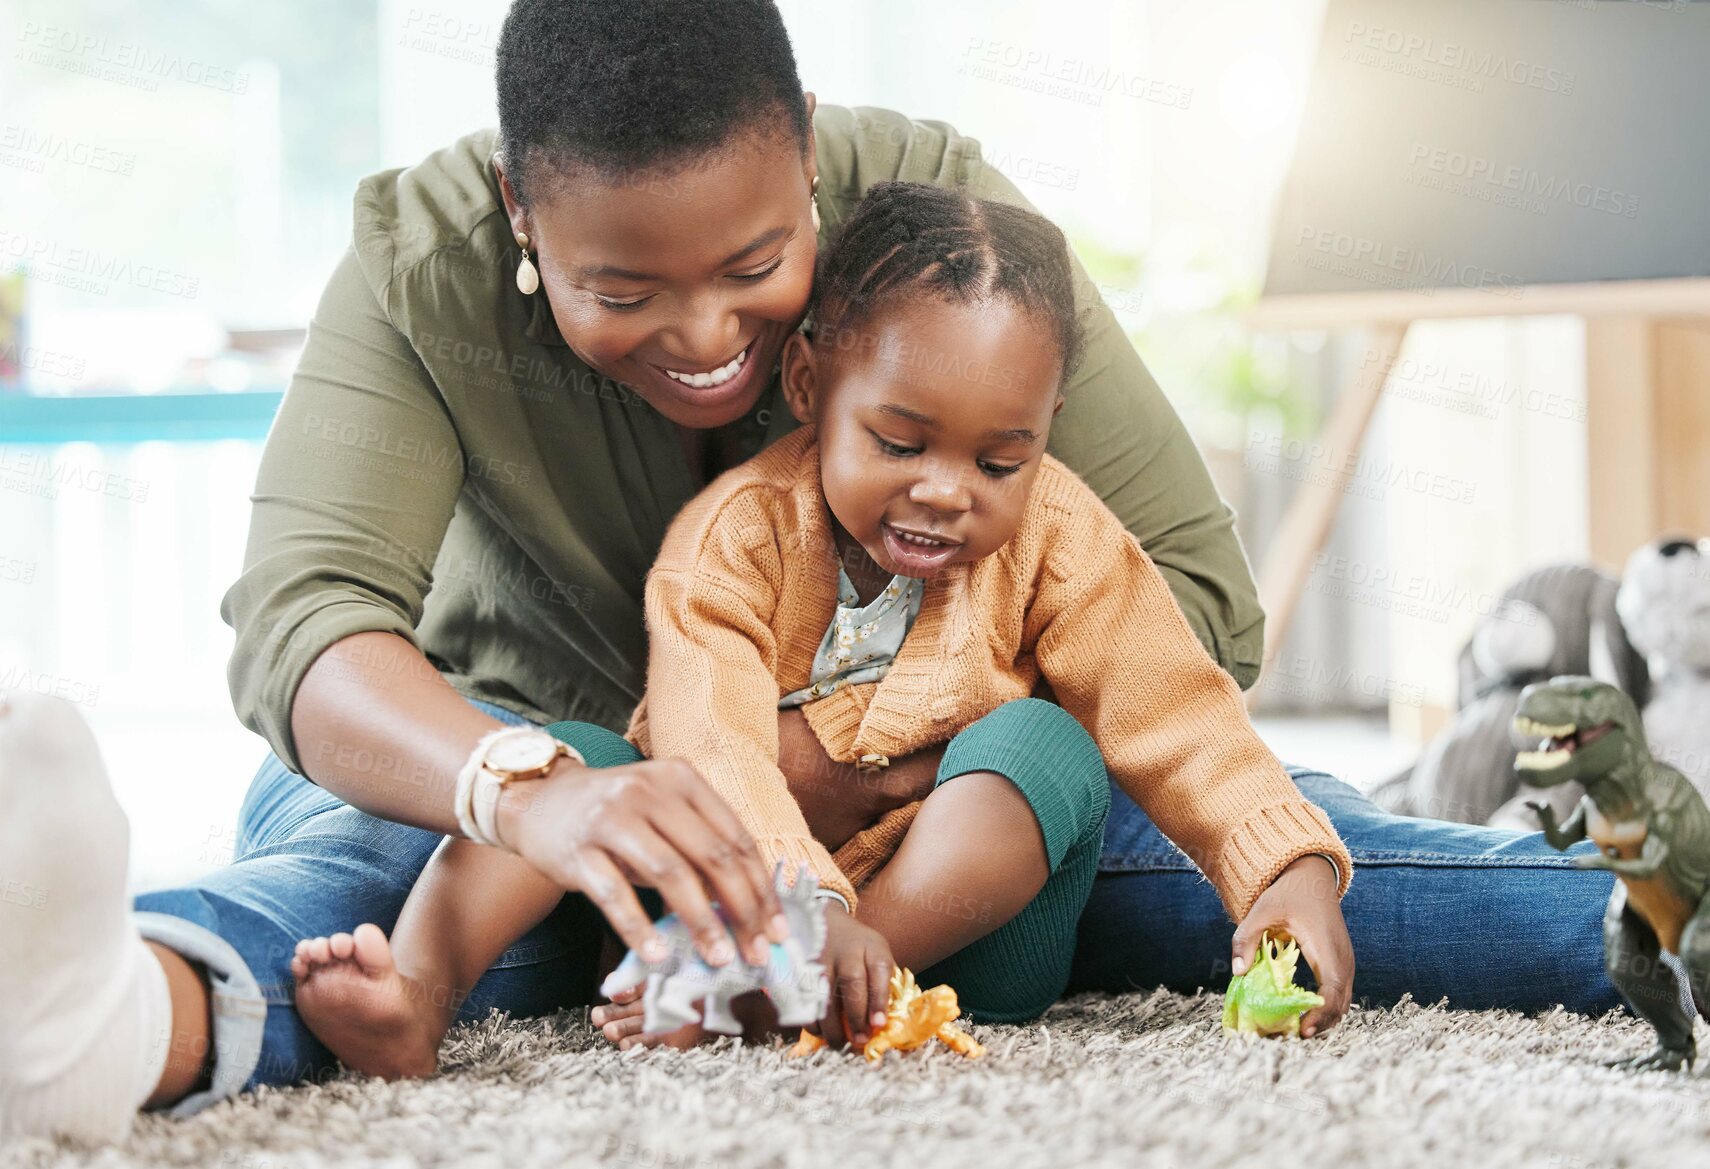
1302	904
621	1024
601	831
858	960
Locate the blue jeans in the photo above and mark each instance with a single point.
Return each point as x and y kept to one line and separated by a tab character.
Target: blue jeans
307	864
1482	916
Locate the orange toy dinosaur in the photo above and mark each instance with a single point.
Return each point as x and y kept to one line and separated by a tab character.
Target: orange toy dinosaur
913	1018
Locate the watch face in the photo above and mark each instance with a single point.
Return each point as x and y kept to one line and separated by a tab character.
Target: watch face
522	752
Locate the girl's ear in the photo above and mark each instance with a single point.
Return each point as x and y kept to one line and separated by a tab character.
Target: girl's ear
800	380
1057	409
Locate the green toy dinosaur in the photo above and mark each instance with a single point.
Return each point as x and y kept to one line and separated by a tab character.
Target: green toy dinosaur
1265	1000
1653	831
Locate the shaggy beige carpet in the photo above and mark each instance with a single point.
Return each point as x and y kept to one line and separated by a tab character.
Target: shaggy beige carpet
1145	1080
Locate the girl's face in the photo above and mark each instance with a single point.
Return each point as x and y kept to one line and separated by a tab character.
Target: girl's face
932	419
662	281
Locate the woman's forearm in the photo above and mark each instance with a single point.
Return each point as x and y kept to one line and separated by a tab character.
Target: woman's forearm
378	727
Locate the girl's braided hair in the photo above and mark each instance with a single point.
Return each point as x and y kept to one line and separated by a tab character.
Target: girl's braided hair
915	239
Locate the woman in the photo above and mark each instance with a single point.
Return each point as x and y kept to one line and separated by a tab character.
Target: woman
538	348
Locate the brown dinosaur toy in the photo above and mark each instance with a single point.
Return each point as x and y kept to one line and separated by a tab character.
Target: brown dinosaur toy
913	1018
1652	830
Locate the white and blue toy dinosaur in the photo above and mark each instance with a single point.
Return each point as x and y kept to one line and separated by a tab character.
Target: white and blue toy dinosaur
792	975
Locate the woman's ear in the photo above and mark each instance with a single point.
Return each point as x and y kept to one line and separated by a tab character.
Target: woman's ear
513	206
800	380
810	158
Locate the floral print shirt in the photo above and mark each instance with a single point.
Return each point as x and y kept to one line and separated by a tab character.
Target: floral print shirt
862	642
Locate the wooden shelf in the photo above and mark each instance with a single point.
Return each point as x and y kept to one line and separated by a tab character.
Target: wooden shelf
1621	298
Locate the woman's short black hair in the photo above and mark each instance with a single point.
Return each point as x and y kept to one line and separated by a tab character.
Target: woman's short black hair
614	87
915	239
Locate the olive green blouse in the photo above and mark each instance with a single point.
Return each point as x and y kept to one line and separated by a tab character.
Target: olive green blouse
442	467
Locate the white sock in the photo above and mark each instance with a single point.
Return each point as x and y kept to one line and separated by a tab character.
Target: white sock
85	1013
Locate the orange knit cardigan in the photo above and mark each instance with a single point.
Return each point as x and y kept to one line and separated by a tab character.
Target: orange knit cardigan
745	587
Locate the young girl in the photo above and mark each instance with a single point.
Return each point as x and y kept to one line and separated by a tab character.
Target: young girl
909	566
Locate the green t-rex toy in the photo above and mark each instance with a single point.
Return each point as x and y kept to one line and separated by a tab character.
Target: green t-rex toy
1653	831
1265	1000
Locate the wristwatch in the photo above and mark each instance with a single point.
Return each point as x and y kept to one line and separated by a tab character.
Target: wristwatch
524	753
505	756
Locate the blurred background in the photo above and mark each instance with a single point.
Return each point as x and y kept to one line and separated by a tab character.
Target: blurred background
175	186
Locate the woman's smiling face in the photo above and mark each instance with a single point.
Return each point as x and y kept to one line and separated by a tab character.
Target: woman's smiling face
682	285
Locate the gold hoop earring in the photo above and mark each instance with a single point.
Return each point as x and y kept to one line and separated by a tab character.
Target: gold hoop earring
813	203
528	279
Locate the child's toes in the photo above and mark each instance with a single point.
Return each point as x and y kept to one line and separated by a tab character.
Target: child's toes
373	952
342	946
305	953
320	951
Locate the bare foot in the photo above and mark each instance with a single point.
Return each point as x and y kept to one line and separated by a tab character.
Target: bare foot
374	1018
620	1021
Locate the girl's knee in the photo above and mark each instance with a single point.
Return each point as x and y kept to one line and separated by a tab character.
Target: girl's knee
1035	729
1025	714
1040	748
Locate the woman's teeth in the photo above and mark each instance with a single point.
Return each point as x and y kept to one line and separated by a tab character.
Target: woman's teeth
716	378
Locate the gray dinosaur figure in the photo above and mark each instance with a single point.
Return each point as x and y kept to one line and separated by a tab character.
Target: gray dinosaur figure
792	977
1653	830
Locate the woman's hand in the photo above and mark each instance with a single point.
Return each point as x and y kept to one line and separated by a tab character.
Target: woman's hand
858	961
838	800
1302	904
600	831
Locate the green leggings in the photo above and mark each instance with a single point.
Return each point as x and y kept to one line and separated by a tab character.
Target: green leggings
1016	971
